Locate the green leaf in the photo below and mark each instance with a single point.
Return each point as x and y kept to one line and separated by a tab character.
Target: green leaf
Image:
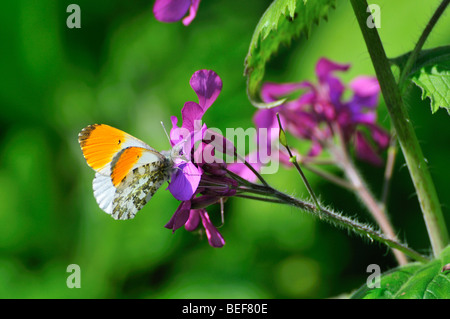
282	21
413	281
435	83
431	72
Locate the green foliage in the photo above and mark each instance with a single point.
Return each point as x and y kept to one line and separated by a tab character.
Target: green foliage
282	21
413	281
431	72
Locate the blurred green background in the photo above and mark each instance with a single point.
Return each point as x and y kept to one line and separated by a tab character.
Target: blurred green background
125	69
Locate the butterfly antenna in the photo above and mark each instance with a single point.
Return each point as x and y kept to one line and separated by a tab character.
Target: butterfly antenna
165	131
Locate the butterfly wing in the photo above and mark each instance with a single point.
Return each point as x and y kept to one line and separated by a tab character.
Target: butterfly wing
100	143
128	171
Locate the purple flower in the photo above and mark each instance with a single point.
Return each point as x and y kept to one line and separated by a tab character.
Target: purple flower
175	10
197	181
321	110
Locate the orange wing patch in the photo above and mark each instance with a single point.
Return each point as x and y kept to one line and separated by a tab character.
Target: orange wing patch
99	143
125	162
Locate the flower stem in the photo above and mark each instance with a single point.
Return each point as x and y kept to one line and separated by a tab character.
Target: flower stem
392	154
250	167
421	177
293	160
330	177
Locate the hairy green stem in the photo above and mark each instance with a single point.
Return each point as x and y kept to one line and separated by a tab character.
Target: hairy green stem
275	196
418	169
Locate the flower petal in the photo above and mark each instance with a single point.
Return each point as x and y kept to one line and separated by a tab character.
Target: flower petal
265	118
193	221
185	181
177	134
215	239
335	90
192	12
207	85
191	114
325	67
220	143
366	91
180	217
170	10
204	154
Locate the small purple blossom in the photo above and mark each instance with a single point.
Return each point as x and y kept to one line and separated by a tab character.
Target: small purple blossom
199	183
175	10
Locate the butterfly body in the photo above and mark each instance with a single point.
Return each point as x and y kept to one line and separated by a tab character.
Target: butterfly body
128	171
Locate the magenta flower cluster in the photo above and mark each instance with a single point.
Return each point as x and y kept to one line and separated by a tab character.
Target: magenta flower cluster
321	112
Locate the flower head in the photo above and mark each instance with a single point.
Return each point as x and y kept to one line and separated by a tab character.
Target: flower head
175	10
197	181
207	85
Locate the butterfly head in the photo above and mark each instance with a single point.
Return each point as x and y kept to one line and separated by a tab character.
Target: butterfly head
177	154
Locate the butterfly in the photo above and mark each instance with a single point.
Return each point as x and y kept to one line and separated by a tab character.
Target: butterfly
128	171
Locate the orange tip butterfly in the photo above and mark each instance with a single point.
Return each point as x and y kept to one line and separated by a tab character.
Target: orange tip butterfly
128	171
